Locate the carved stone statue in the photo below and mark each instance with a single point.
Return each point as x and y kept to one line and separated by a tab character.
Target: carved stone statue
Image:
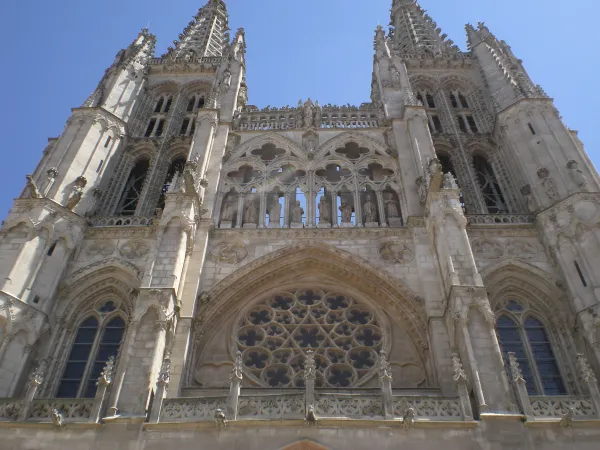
309	113
297	212
324	211
370	210
528	196
318	115
346	210
548	183
391	206
422	188
227	214
77	193
251	211
32	188
275	211
578	175
226	82
434	166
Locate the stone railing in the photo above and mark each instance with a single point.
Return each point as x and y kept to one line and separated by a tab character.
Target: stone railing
192	409
287	119
73	410
271	407
122	221
500	219
433	408
560	405
9	409
565	407
195	60
349	406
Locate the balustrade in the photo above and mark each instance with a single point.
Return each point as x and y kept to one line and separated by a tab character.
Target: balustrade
122	221
500	219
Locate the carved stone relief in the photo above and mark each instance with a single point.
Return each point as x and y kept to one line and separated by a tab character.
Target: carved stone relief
134	249
394	252
497	248
103	248
227	252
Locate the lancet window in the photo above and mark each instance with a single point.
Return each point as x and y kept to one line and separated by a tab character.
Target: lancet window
133	189
156	124
275	335
177	166
462	111
98	337
428	101
195	103
492	194
349	186
520	331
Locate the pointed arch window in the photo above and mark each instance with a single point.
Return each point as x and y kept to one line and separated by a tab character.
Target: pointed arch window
428	101
519	331
195	103
98	337
133	189
177	166
492	194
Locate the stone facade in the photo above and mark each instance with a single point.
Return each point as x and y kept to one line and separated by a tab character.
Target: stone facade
186	270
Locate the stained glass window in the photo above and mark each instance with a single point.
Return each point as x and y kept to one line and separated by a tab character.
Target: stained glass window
275	335
526	336
95	342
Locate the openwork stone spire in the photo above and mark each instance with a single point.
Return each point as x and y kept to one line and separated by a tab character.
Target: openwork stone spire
206	35
415	32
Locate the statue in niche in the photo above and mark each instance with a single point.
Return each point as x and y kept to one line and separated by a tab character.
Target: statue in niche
318	115
226	82
346	210
548	183
391	206
422	188
275	211
324	211
227	215
528	195
309	112
251	211
33	191
297	212
578	175
77	193
370	210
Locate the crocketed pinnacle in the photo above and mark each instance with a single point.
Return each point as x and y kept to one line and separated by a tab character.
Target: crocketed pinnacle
415	32
206	35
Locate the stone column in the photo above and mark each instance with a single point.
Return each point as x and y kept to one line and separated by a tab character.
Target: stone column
162	386
262	210
36	379
310	375
380	205
385	377
240	211
460	377
520	386
590	380
103	383
234	387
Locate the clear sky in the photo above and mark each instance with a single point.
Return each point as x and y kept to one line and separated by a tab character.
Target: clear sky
55	52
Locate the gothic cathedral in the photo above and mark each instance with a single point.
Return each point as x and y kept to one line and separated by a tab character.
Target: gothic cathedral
184	270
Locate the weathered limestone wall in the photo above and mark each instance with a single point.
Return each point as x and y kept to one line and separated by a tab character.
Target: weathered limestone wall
489	434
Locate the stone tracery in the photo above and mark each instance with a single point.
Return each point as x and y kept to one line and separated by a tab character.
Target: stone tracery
345	183
275	335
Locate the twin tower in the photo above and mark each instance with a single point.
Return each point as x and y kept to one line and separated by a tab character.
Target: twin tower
174	233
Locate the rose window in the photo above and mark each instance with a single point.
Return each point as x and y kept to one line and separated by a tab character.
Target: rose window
275	335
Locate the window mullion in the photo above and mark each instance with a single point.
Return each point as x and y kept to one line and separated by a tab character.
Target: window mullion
91	361
532	362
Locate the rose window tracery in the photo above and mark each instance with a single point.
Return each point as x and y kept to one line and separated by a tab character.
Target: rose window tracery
275	335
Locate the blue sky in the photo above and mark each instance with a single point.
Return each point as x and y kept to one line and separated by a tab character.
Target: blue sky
56	51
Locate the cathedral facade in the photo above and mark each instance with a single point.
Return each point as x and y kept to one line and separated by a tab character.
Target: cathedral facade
186	270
